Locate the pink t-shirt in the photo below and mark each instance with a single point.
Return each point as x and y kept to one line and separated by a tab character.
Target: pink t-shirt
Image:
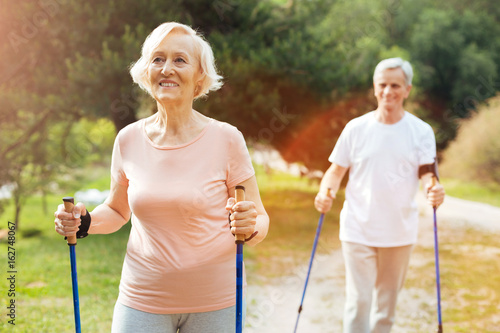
180	254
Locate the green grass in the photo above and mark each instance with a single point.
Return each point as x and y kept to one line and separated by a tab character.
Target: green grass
485	193
470	279
471	282
43	279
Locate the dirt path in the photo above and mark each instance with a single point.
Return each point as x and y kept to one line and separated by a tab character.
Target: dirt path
272	306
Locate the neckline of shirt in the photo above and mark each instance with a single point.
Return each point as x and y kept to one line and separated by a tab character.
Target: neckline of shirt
400	121
196	138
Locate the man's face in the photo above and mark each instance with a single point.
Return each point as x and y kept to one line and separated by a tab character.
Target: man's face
391	89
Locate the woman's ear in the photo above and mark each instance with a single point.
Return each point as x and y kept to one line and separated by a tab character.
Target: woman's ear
199	83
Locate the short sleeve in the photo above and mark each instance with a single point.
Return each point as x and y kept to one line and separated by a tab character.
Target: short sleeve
426	151
117	172
239	166
341	152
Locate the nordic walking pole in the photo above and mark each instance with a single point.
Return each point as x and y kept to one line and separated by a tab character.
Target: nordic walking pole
436	254
68	207
318	231
239	240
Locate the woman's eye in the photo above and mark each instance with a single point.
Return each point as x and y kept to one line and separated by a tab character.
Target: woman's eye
179	60
157	60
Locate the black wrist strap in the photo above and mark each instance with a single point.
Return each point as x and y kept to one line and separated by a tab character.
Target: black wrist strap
84	225
251	236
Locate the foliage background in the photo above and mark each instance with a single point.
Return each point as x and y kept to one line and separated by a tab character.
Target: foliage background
296	71
475	151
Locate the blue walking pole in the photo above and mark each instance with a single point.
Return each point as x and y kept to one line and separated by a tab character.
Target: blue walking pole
239	240
436	255
318	231
68	207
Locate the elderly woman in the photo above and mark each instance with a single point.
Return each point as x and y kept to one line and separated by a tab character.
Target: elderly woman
174	173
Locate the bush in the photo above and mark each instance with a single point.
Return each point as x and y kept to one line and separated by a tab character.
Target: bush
475	153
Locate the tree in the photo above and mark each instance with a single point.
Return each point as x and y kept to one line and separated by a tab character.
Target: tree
295	71
457	63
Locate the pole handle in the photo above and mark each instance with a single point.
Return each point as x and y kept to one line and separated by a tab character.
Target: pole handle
239	196
433	183
69	202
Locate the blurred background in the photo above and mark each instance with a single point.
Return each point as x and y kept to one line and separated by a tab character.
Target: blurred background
295	72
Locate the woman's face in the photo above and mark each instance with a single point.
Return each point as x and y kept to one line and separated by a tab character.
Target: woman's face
174	69
391	89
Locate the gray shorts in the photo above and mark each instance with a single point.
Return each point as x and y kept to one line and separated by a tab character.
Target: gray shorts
129	320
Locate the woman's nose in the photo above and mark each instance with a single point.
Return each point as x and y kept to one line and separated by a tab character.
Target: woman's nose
167	68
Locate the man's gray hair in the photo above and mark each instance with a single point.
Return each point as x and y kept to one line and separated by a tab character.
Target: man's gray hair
395	63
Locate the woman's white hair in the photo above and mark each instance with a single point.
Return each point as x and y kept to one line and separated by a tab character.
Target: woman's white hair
395	63
139	70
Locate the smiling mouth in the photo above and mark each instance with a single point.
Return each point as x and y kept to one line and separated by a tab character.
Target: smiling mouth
168	84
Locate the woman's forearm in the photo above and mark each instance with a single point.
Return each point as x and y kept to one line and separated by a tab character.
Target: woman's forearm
262	226
106	220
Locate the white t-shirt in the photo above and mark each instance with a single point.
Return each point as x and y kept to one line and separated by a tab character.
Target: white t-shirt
383	161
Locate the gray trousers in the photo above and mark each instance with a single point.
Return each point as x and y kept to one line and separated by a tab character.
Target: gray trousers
374	277
129	320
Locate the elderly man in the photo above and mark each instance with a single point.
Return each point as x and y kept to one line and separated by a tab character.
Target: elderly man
386	152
